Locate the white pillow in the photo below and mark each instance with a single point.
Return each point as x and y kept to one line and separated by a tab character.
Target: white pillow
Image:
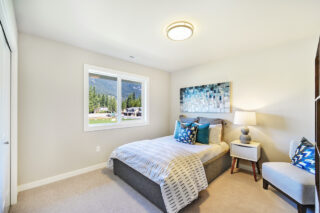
215	133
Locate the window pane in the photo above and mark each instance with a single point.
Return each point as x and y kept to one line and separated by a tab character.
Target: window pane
102	99
131	100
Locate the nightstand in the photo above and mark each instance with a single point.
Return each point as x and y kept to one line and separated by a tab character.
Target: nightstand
250	152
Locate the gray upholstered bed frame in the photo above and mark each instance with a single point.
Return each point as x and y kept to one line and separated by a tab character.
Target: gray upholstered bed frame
152	191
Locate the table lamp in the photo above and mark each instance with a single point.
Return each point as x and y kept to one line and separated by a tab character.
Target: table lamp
246	119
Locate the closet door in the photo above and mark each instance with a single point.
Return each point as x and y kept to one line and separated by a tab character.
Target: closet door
317	122
5	78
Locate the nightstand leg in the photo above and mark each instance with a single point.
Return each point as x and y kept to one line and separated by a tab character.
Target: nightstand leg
233	163
254	170
258	167
238	160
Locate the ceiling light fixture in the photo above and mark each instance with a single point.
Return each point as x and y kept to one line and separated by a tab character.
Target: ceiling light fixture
179	31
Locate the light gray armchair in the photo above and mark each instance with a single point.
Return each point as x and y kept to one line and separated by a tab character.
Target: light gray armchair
297	184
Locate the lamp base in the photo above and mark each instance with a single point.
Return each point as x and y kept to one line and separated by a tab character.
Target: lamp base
245	138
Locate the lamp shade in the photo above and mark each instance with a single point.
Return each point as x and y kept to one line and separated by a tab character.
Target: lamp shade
245	118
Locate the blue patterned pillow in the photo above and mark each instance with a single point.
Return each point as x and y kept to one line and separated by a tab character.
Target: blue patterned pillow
306	160
304	143
187	134
304	157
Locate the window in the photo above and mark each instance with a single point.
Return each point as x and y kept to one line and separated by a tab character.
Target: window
114	99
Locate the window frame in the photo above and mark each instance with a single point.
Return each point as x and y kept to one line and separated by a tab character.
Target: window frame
120	76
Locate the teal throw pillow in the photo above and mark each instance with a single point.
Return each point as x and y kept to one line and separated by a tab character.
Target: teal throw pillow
203	133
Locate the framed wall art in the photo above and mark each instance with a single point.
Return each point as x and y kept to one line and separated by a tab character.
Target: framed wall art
211	98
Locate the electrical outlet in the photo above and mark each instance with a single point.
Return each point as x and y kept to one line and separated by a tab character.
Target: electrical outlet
97	148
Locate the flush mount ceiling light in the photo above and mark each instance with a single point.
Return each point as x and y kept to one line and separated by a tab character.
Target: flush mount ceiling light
179	31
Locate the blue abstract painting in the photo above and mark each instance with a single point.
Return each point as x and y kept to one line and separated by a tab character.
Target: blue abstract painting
206	98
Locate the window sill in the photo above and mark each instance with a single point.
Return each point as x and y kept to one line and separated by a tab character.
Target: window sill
98	127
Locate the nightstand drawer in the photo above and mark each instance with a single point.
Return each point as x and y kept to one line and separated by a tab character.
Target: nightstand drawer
245	152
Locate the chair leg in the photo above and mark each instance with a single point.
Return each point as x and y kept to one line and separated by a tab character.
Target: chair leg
300	207
238	160
265	184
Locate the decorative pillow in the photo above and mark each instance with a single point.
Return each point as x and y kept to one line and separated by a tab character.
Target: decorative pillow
202	133
215	132
303	144
178	127
304	157
187	134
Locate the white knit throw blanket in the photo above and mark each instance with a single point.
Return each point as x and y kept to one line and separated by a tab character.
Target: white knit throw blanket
179	173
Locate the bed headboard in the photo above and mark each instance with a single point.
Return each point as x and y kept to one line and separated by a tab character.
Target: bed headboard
204	120
185	119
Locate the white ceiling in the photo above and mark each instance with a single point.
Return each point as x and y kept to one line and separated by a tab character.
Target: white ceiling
122	28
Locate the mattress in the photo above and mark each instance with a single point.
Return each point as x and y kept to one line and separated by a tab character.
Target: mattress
205	151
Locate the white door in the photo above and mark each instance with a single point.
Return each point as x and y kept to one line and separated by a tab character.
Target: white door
5	78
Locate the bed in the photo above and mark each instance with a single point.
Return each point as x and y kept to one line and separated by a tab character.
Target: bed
214	161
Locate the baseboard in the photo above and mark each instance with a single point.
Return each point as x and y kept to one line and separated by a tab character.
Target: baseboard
66	175
63	176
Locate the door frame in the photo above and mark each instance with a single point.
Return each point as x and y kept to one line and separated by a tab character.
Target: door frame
8	21
10	68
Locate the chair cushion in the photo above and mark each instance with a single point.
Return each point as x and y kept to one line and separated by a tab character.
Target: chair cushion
293	147
297	183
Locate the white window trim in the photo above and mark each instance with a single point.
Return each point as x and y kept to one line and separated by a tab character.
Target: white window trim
120	75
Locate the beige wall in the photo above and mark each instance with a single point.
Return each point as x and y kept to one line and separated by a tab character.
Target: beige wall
278	83
51	136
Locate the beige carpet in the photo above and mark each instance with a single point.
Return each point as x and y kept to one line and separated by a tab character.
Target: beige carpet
101	191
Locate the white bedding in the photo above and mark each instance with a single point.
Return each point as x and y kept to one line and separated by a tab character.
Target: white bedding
176	167
204	151
179	172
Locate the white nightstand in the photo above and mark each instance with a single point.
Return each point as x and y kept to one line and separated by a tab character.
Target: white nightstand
250	152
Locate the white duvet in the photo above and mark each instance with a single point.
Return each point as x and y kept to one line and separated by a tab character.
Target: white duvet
204	151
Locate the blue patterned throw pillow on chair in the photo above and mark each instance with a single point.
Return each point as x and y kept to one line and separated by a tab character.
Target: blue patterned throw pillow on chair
187	134
304	157
303	144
